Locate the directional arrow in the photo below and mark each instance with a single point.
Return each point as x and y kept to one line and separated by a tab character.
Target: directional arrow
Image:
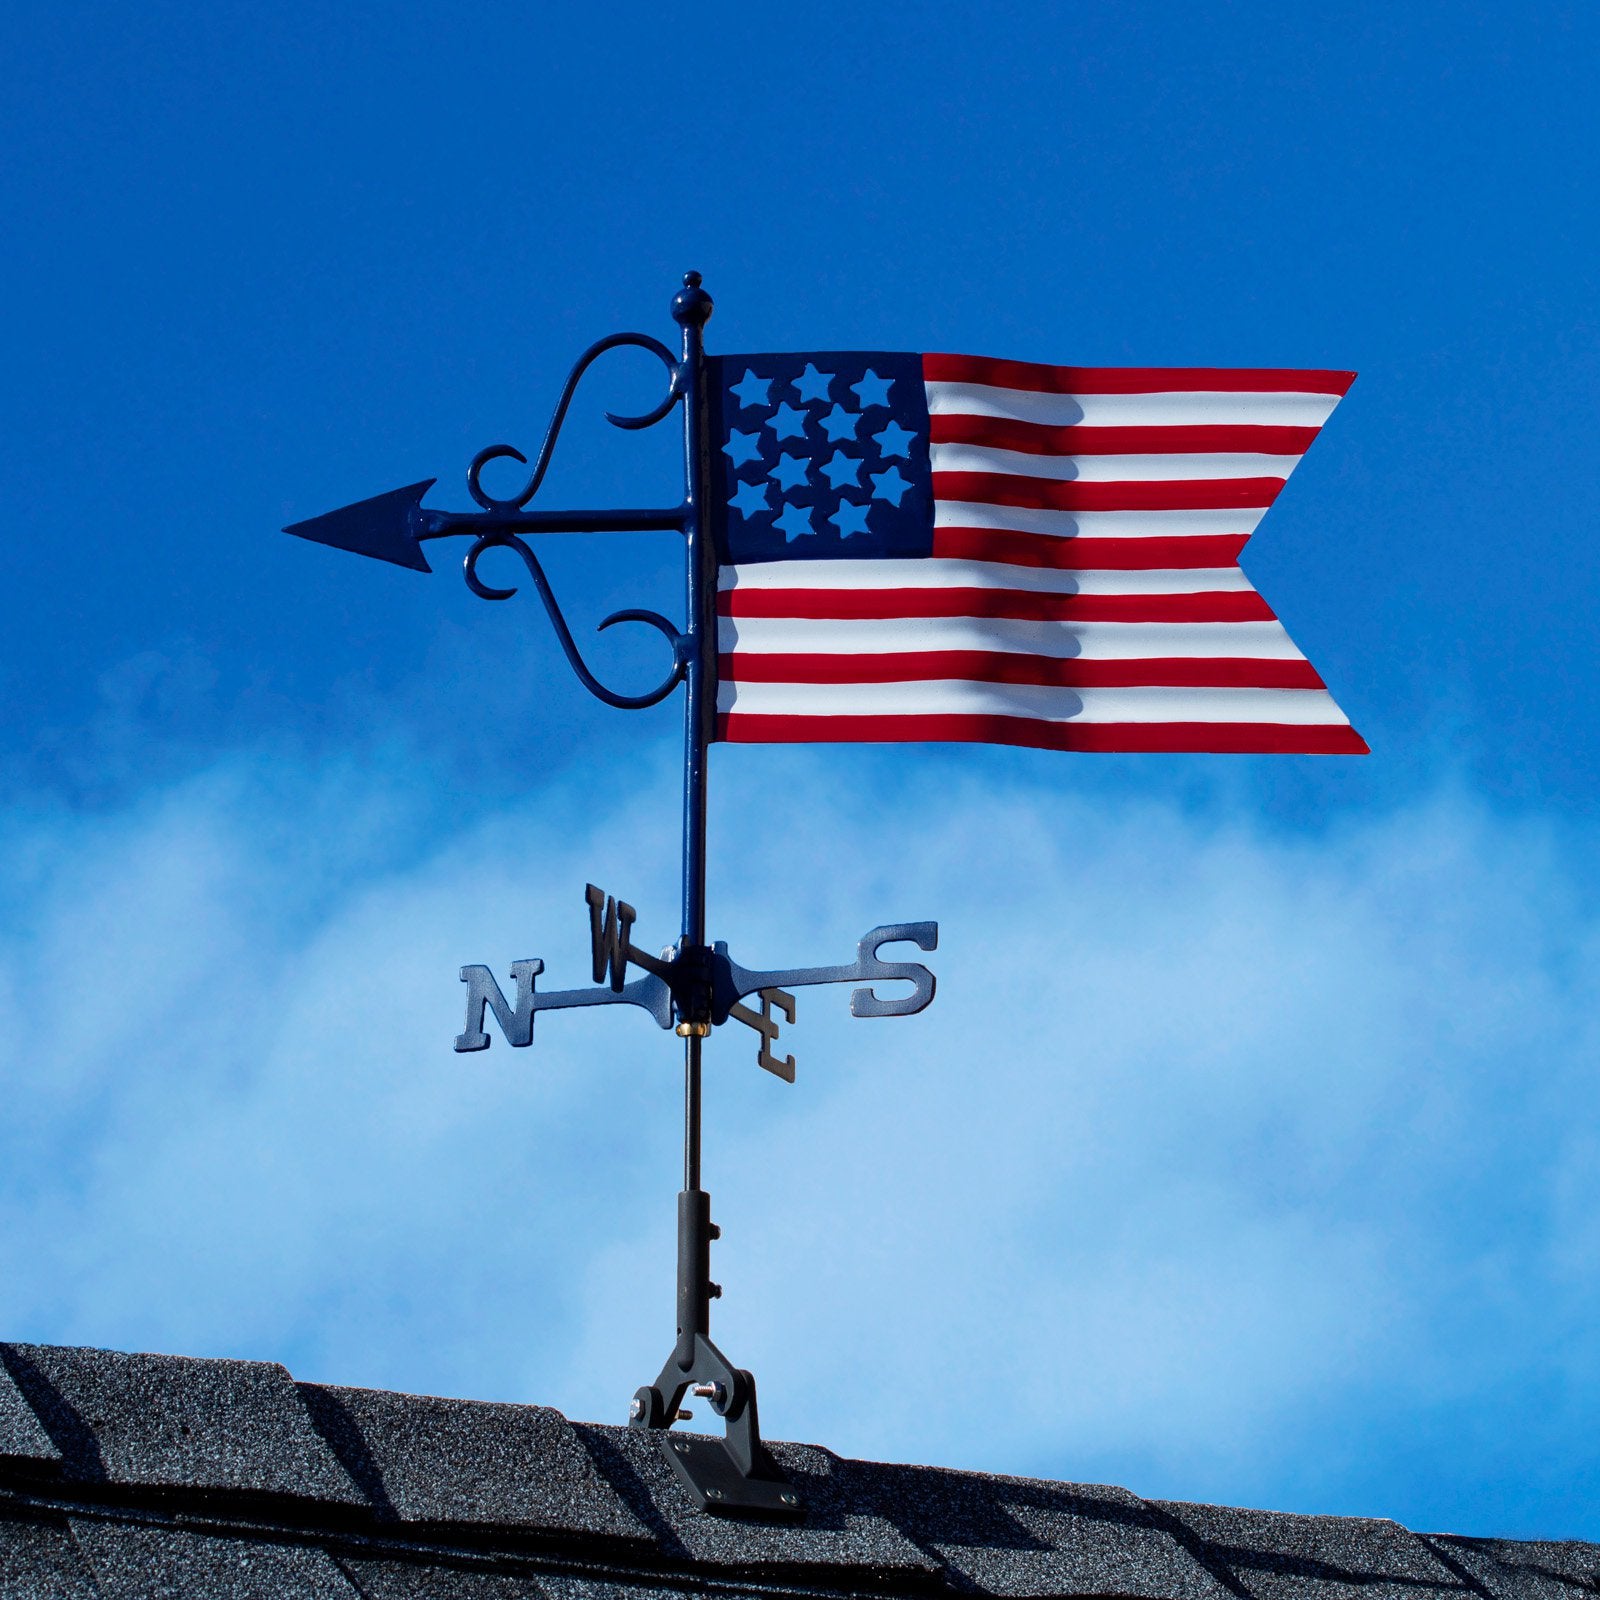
392	526
386	526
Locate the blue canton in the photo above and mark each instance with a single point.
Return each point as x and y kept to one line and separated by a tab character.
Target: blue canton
820	455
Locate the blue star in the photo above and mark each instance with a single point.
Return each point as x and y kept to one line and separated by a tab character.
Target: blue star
811	384
742	448
842	470
796	521
850	518
872	390
788	423
751	390
751	499
888	485
894	439
791	471
840	424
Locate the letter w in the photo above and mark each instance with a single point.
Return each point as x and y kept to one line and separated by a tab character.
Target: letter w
610	927
483	993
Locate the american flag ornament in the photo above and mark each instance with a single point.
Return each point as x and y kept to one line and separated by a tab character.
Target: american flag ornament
940	547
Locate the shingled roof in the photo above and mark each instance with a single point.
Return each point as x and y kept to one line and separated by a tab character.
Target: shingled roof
133	1477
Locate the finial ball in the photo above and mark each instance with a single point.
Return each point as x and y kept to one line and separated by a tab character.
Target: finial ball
691	305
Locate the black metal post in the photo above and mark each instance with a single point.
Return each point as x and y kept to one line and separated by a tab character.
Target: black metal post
691	308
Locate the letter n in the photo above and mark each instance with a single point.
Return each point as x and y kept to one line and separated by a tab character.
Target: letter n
483	993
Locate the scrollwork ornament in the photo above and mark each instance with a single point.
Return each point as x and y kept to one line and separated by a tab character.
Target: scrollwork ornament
504	452
624	702
510	506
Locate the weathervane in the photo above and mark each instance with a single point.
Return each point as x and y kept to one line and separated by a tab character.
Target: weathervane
888	547
691	986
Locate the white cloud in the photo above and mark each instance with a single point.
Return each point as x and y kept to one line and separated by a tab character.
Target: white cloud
1216	1138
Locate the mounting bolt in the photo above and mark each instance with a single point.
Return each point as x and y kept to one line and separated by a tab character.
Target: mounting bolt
636	1407
789	1499
711	1391
680	1447
684	1416
713	1494
714	1290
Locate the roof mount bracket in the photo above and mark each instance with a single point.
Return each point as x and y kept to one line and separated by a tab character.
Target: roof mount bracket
732	1476
711	1474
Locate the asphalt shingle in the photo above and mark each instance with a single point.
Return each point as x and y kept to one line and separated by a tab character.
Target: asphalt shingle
1276	1556
1021	1537
155	1563
186	1424
568	1586
412	1580
1532	1570
22	1435
428	1460
416	1580
39	1561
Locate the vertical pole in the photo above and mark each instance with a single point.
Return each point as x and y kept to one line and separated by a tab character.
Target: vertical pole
691	308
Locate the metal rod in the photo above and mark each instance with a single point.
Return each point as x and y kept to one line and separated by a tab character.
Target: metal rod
691	1112
691	307
428	524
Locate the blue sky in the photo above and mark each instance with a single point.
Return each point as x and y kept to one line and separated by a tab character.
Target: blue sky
1251	1151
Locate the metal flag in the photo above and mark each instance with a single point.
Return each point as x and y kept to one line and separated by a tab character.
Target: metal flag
935	547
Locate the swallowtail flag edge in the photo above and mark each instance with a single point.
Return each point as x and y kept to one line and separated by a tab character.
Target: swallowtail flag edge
954	548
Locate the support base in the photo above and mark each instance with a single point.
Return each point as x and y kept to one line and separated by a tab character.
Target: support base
710	1474
732	1476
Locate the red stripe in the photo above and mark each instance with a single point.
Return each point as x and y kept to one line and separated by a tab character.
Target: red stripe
1085	553
1057	494
1132	380
1246	738
990	666
1228	605
1039	438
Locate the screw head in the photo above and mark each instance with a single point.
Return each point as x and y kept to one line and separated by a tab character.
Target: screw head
713	1494
789	1499
680	1447
636	1407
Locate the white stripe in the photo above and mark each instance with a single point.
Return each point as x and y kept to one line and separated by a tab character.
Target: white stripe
1096	524
1108	469
957	696
1094	641
1185	408
938	573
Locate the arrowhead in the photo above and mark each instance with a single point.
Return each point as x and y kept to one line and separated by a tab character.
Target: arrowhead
384	527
